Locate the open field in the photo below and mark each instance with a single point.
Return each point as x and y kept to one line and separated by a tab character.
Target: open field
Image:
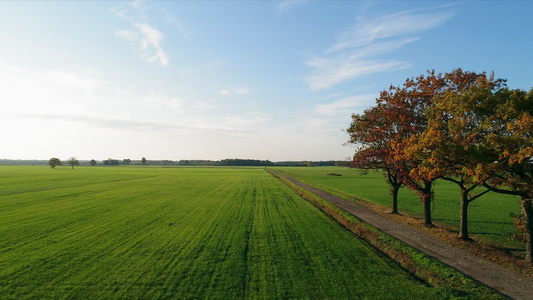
180	233
488	216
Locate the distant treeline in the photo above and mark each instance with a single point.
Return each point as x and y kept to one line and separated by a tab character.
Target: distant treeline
224	162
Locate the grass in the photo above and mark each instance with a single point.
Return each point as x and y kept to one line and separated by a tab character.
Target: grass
434	272
488	216
180	233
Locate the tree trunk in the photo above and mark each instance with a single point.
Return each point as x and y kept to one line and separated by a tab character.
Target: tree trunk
395	190
463	227
527	208
427	203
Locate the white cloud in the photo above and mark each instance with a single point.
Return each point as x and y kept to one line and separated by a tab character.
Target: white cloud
150	42
237	91
357	51
205	105
155	100
146	38
176	22
128	35
328	73
224	92
241	91
344	107
249	119
138	125
366	31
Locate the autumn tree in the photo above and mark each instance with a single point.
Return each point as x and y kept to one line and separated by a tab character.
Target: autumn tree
409	108
73	162
450	147
508	137
53	162
371	133
404	109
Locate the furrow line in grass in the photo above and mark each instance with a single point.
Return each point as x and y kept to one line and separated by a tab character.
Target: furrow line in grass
62	184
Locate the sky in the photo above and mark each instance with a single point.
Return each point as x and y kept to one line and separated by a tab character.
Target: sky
276	80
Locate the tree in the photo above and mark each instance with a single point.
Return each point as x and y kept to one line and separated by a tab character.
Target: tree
411	105
126	161
372	133
111	162
402	112
447	147
53	162
508	138
92	162
143	161
484	136
73	162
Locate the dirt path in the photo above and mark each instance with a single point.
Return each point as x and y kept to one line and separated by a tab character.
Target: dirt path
507	282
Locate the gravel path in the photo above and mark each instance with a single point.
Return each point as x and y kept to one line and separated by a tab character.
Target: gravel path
507	282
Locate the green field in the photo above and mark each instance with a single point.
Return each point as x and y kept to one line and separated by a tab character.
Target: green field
488	216
134	232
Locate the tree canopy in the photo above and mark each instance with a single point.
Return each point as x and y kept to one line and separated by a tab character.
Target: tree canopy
465	127
73	162
53	162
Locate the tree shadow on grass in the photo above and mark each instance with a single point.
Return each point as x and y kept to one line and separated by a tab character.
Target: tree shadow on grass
454	220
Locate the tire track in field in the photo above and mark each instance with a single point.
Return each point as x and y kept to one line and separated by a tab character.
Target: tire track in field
507	282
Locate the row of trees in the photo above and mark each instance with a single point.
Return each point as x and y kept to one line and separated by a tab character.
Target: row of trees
224	162
73	161
54	161
465	127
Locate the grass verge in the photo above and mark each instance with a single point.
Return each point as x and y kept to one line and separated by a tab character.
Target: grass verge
490	226
417	263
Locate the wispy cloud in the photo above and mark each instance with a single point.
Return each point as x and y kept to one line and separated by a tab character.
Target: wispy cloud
241	91
246	120
176	23
345	106
287	5
157	100
236	91
144	36
135	124
205	105
358	50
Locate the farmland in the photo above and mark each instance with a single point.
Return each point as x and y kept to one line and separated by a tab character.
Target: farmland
138	232
488	216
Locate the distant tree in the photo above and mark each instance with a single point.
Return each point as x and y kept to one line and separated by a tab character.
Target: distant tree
54	161
73	162
111	162
92	162
126	161
143	161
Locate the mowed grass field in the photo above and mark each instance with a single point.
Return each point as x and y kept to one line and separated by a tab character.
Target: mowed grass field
488	216
180	233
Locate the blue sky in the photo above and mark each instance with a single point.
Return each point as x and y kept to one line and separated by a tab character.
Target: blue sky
273	80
